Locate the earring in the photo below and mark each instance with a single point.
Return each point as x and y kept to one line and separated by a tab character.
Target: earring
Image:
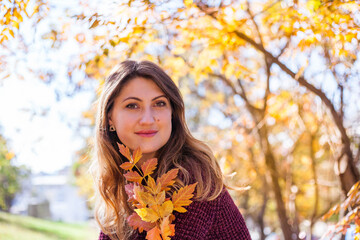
112	128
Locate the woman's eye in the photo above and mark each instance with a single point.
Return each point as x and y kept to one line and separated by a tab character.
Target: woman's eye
131	106
160	104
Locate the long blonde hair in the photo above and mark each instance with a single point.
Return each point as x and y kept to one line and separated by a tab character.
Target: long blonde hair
194	159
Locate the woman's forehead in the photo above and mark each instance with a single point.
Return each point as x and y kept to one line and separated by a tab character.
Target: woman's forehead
142	88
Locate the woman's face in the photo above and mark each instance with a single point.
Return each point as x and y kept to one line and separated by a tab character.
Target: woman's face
141	116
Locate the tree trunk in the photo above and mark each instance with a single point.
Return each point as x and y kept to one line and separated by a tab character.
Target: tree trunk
271	165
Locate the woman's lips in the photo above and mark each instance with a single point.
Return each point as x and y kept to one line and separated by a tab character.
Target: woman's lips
146	133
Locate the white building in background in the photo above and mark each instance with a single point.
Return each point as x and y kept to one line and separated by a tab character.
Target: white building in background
51	196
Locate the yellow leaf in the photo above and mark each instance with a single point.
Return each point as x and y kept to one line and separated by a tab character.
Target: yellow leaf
160	198
188	3
11	32
147	214
15	24
146	198
17	15
152	186
9	155
166	209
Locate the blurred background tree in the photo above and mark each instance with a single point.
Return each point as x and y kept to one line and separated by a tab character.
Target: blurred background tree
10	176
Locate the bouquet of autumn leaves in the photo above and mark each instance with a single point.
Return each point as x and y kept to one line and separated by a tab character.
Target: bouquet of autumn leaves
151	199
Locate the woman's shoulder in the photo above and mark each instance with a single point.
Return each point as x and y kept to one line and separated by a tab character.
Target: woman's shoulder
215	219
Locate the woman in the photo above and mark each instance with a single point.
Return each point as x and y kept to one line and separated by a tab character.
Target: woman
140	106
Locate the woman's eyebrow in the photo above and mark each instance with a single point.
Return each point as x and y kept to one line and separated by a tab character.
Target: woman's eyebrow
138	99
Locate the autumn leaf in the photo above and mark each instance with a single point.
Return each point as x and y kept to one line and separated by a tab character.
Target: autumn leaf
354	188
167	229
182	197
137	197
145	198
127	166
166	209
152	186
149	166
129	189
9	155
147	214
160	198
168	178
125	151
135	222
137	156
154	234
133	177
153	211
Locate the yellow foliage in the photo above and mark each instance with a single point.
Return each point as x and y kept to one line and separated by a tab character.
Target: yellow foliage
9	155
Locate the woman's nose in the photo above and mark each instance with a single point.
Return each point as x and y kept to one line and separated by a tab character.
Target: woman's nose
147	117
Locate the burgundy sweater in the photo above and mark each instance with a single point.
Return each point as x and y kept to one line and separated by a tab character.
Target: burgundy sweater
219	219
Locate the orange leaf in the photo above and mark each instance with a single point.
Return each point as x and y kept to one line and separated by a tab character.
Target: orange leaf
353	188
149	166
167	229
152	186
135	222
125	151
133	177
168	178
154	234
127	166
137	155
182	197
